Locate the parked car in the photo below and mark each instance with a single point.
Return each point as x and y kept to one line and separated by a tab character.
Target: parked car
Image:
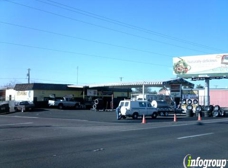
26	105
64	103
4	107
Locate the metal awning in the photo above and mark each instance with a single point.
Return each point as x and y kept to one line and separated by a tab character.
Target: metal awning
181	81
139	84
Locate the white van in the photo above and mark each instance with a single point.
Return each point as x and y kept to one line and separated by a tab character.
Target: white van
134	109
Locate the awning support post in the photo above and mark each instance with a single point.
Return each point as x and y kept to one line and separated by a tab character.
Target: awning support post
143	92
207	89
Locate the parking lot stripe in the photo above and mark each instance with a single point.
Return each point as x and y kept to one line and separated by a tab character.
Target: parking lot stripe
193	136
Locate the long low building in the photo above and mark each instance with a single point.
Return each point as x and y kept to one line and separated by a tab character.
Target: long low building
40	93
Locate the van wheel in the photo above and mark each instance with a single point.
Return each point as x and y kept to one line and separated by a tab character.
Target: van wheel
154	115
135	115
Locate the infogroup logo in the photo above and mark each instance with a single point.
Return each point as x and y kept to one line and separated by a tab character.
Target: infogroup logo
189	162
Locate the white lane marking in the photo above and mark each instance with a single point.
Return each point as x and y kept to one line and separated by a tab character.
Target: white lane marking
153	127
193	136
178	124
16	123
24	117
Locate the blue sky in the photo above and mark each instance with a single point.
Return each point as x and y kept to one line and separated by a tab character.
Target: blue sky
100	41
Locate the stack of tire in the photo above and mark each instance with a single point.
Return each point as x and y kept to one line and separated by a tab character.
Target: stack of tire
95	103
218	111
198	111
207	111
98	104
189	107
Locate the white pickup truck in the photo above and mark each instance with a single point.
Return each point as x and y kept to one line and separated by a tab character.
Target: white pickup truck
134	109
64	103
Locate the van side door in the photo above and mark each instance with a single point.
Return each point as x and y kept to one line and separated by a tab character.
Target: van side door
150	108
143	108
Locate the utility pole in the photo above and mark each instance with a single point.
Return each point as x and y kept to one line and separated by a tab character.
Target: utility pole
28	74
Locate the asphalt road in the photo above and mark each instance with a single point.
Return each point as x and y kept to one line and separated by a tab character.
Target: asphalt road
76	138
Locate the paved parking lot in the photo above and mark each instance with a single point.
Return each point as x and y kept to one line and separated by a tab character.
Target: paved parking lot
101	116
83	138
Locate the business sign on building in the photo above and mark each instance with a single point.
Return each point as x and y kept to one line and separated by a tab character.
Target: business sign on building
190	94
91	92
214	65
175	90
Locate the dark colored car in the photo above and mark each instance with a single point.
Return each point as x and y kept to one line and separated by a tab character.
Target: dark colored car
4	108
25	105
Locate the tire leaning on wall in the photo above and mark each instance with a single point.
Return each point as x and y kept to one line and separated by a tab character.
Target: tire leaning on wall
222	113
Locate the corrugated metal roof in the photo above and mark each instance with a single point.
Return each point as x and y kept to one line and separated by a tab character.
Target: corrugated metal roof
128	84
181	81
45	86
140	84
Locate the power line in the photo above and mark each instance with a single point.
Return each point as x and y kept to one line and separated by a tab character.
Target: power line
84	22
77	53
90	14
79	38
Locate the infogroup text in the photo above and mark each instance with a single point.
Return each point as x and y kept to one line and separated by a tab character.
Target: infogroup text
188	162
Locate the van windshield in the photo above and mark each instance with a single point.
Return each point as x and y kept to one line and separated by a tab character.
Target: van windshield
121	104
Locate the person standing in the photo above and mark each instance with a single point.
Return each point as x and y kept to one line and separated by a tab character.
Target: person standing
118	116
174	104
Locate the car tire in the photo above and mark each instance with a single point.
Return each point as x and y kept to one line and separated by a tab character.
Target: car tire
189	101
189	107
199	108
135	115
206	114
216	107
215	113
189	113
195	101
222	113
